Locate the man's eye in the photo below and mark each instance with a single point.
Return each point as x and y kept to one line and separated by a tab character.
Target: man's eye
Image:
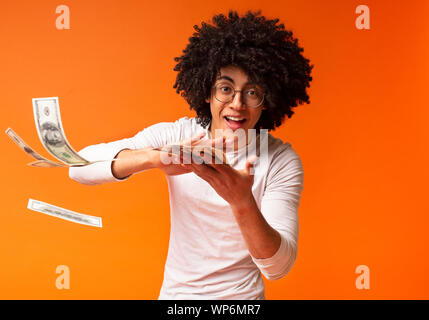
225	89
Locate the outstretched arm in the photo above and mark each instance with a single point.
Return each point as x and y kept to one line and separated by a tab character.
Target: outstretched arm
134	161
132	155
139	159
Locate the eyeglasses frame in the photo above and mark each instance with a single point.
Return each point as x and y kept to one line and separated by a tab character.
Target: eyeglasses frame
233	96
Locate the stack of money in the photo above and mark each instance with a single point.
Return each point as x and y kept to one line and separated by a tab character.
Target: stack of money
200	153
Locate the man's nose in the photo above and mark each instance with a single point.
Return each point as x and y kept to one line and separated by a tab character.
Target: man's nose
237	101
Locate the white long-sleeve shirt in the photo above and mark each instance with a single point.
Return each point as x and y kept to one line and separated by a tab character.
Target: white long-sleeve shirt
207	255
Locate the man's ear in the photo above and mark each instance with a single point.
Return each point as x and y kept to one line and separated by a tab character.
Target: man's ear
207	100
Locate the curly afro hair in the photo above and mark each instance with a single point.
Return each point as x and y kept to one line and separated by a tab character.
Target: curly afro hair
265	51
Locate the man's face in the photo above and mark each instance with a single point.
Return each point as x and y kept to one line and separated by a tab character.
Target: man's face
243	117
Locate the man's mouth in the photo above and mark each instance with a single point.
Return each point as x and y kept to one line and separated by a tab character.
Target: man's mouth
234	122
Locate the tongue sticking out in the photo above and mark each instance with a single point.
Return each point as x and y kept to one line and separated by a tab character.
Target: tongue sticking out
233	124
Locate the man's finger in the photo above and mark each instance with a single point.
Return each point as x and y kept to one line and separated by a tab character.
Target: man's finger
195	139
205	172
250	163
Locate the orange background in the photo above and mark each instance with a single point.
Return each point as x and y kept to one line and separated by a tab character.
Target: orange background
363	141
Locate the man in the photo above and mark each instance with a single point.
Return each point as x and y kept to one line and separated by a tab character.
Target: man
232	221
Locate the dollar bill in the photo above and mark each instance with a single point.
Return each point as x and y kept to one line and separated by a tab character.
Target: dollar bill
41	161
52	164
46	164
51	133
62	213
30	151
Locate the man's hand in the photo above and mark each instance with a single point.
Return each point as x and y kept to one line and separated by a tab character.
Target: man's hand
235	186
194	150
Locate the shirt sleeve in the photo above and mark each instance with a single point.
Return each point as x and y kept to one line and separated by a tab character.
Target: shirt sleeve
101	172
279	206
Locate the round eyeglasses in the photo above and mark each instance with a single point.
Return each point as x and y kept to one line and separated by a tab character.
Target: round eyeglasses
251	96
